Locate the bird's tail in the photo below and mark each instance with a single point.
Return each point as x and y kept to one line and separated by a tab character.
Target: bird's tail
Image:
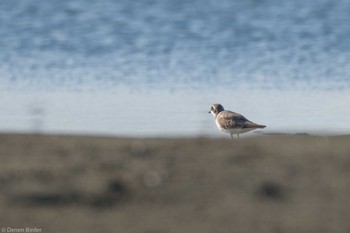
253	125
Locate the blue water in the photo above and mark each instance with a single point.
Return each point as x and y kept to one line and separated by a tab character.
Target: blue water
158	56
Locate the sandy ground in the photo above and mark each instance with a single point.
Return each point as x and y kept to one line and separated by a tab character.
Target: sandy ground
95	184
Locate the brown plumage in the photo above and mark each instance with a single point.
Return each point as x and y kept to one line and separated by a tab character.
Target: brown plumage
232	122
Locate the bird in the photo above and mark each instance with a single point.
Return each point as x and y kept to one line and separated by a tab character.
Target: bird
232	122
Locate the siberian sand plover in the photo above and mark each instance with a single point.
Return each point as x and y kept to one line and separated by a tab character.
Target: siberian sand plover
232	122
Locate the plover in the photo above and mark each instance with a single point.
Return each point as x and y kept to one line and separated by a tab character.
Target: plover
232	122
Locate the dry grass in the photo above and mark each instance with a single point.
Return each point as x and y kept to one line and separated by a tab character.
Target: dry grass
90	184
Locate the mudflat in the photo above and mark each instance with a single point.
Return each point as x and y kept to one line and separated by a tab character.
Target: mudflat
280	183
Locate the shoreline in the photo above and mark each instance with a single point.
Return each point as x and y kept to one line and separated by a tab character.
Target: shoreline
253	134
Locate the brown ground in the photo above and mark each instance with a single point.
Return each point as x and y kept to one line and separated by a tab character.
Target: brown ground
89	184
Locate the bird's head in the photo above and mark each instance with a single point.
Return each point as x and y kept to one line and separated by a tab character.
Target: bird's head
216	108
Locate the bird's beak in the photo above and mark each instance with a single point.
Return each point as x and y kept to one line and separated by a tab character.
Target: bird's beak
209	112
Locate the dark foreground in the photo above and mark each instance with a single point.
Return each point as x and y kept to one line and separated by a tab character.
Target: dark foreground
89	184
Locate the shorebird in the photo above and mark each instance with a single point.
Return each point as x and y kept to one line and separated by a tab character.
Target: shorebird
232	122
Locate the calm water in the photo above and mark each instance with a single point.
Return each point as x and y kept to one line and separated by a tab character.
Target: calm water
154	67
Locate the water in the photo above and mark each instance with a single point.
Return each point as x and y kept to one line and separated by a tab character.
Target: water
153	68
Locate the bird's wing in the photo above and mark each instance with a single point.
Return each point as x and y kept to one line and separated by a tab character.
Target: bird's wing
228	119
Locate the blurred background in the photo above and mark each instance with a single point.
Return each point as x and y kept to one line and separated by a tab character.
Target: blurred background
154	67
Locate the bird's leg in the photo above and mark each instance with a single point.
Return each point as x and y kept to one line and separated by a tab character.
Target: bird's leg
231	136
238	135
